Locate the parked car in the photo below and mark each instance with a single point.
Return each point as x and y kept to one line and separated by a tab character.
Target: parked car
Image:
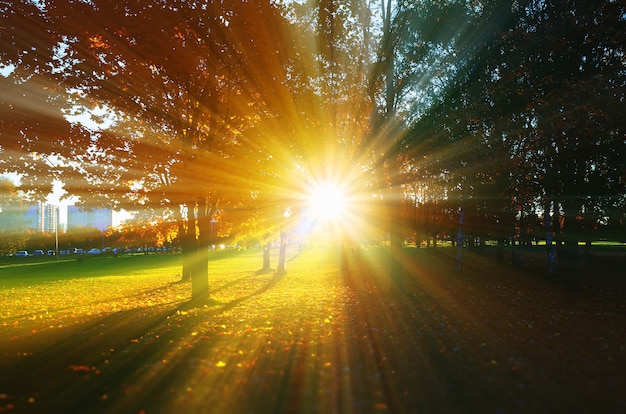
22	253
93	251
38	253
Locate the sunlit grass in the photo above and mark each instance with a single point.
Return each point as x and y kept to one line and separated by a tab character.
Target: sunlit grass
56	290
54	294
121	335
142	316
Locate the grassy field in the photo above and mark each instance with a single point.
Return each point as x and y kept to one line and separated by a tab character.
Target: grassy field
63	292
119	335
49	294
98	315
49	268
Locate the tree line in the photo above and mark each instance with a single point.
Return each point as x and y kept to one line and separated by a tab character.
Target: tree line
17	232
498	110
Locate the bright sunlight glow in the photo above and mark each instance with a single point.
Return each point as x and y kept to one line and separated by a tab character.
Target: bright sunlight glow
327	202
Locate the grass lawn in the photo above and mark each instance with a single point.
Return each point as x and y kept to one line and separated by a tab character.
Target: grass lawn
84	322
49	294
31	269
118	335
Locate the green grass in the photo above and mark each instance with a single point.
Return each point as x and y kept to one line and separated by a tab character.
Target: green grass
100	317
33	271
40	295
107	335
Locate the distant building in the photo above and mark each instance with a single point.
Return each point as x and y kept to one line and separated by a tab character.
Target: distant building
50	220
43	217
101	218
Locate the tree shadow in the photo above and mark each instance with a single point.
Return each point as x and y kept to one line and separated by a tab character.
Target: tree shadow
78	364
208	302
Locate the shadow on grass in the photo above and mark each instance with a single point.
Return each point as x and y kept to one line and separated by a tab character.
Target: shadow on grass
223	307
478	341
91	364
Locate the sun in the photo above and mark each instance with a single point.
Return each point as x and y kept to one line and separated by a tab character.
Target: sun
327	201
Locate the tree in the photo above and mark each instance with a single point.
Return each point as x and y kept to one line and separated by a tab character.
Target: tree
13	223
208	108
180	83
32	126
524	112
424	66
557	85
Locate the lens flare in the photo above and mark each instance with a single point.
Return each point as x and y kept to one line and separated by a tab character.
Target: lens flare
327	202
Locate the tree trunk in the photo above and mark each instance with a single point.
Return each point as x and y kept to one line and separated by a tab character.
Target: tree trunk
189	244
282	255
458	266
503	230
435	224
187	254
266	256
395	238
517	243
182	242
547	225
499	231
569	253
588	229
200	276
